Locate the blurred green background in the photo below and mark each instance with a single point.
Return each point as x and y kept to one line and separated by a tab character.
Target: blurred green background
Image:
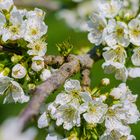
58	32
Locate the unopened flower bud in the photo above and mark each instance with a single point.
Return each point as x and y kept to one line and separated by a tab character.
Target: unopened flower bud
45	74
6	71
16	58
105	81
31	86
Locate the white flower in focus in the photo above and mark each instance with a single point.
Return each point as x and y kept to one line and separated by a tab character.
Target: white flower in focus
15	30
114	120
12	90
43	121
37	63
132	115
94	111
45	74
134	72
120	115
18	71
136	57
11	129
116	54
6	4
117	33
134	31
110	8
68	115
123	92
72	85
63	98
35	28
36	13
96	27
38	48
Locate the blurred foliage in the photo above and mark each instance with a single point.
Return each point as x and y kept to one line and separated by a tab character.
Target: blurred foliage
57	33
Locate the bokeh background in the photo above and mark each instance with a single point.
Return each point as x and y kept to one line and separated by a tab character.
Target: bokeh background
58	32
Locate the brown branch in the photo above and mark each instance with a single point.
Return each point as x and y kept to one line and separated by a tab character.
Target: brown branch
54	82
53	60
85	79
47	4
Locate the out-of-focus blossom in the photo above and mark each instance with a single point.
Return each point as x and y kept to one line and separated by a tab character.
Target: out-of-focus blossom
11	130
6	4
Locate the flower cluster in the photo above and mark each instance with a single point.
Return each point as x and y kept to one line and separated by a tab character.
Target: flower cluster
24	33
87	111
119	33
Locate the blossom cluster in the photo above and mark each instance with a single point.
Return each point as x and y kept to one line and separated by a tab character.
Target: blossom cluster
117	27
22	30
76	17
74	108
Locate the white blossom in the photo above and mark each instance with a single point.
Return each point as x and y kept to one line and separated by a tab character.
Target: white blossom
115	54
38	48
18	71
11	129
6	4
123	92
68	115
35	28
130	9
117	33
45	74
63	98
113	120
134	31
110	8
2	23
115	135
12	90
36	13
94	111
119	69
134	72
37	63
49	137
96	27
136	57
15	30
44	120
120	115
72	85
